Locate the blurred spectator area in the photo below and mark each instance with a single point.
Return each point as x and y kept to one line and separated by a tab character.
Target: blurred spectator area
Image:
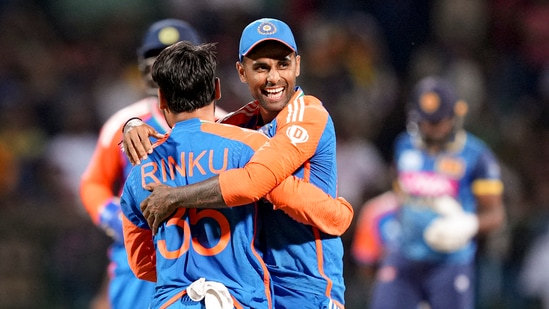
65	66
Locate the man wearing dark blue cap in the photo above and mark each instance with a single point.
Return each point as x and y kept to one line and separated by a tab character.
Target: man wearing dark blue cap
102	182
449	190
305	261
434	105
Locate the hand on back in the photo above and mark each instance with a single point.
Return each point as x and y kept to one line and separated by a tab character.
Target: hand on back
136	142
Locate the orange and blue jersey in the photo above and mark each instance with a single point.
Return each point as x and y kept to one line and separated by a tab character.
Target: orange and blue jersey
215	244
376	229
109	166
306	265
100	189
465	169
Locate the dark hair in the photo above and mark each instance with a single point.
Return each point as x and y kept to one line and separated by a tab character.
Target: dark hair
185	74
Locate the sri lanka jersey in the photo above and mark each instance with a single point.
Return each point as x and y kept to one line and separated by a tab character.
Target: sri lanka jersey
466	168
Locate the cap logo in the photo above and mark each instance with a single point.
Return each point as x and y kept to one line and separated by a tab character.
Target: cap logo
266	28
168	35
429	102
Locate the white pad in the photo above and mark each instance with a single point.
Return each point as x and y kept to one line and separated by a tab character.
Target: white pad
215	294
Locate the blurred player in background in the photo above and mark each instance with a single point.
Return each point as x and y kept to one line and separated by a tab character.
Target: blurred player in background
102	182
305	262
449	189
376	229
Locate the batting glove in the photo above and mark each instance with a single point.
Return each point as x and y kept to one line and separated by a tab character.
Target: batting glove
453	229
449	234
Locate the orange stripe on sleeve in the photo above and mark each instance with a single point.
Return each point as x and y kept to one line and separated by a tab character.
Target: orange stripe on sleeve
141	252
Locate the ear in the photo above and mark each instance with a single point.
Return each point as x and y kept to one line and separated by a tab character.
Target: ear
241	71
162	103
217	88
297	65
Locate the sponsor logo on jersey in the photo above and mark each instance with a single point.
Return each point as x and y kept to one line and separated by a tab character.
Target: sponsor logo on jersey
427	184
297	134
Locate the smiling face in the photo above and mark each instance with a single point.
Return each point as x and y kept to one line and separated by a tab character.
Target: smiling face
270	70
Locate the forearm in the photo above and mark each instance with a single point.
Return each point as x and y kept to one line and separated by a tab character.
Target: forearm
308	204
205	194
274	161
490	219
246	185
490	212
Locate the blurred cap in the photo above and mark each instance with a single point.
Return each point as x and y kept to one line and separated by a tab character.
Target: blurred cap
262	30
164	33
434	99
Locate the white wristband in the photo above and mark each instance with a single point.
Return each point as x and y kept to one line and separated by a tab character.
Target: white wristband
134	122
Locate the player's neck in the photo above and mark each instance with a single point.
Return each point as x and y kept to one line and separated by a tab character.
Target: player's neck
205	113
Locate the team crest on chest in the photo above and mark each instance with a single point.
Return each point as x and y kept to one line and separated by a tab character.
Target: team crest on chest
454	167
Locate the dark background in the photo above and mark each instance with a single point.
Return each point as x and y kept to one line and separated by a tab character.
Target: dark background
65	66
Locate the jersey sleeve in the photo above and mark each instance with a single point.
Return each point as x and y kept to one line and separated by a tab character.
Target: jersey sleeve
487	175
102	179
138	238
300	126
104	176
308	204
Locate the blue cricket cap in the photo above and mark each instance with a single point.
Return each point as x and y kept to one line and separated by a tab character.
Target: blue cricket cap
262	30
164	33
434	99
